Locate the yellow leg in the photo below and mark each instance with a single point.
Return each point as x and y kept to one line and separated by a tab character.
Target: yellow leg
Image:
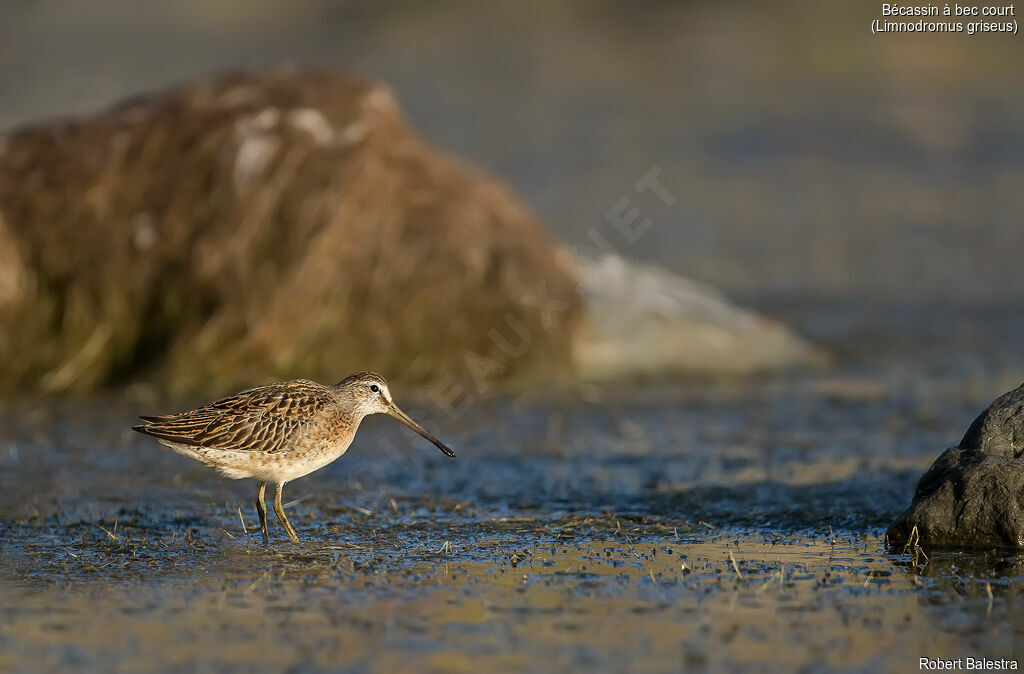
279	509
261	508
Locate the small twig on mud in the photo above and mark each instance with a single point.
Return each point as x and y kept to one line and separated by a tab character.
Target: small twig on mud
778	574
365	511
114	536
229	534
912	539
394	506
832	536
991	598
618	530
735	566
302	498
914	544
871	574
242	520
263	576
702	523
446	548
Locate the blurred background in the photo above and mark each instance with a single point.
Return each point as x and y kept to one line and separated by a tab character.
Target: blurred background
868	191
865	189
810	159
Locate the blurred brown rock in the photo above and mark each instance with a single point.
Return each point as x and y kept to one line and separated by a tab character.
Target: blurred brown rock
256	226
261	226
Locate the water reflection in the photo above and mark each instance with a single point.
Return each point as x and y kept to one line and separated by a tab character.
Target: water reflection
443	593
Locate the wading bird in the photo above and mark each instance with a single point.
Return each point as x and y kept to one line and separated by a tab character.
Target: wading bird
279	432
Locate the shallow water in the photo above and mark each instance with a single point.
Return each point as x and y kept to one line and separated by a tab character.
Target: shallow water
387	595
865	191
653	527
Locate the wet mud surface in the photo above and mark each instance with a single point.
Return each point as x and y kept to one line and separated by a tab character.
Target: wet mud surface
505	595
653	527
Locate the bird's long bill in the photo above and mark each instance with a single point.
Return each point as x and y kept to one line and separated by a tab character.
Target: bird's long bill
407	420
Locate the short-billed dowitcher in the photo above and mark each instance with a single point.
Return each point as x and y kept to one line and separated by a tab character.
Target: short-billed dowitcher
279	432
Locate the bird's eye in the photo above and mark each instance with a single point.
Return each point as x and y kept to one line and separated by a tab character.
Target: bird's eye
374	388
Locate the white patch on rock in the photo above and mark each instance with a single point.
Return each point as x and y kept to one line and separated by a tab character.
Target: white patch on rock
264	120
254	155
642	319
380	100
256	146
144	232
352	134
313	122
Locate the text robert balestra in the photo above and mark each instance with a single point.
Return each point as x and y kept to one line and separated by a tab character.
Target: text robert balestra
965	664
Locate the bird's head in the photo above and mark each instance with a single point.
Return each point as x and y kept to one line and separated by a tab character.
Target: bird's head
368	393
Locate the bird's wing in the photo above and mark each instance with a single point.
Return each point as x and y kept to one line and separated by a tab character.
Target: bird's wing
262	419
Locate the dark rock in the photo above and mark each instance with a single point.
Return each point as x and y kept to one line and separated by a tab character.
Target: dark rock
973	495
